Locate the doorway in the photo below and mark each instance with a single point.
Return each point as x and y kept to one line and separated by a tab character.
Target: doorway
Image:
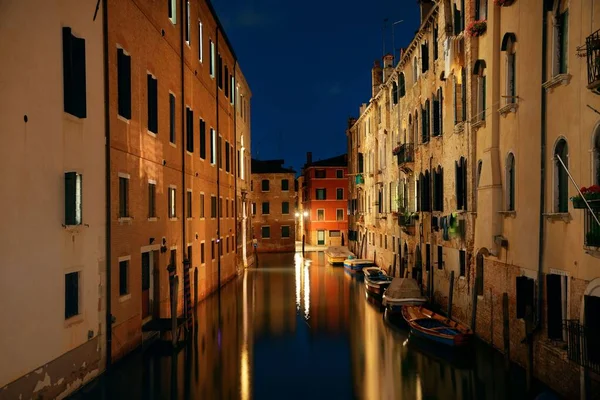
592	327
320	238
147	284
556	300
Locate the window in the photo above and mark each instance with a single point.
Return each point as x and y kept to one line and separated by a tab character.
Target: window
438	189
561	180
394	93
339	174
212	249
265	185
151	200
440	257
123	197
124	84
201	205
479	275
481	10
172	4
339	214
189	254
462	260
71	294
189	124
508	45
212	58
213	206
561	42
459	16
173	259
525	290
510	182
73	198
335	233
220	207
220	71
321	194
461	184
189	213
285	207
232	93
320	174
220	152
438	121
339	194
285	185
171	117
425	57
187	25
285	231
172	202
202	139
425	118
253	208
123	277
427	257
200	42
402	84
435	42
596	157
202	253
479	72
320	215
152	104
213	146
415	70
74	85
226	82
265	208
227	207
227	157
425	192
265	232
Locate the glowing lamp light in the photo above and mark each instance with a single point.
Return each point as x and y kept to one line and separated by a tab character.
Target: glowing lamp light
306	213
297	215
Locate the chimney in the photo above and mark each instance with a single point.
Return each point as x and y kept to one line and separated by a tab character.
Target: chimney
426	6
309	157
388	66
376	75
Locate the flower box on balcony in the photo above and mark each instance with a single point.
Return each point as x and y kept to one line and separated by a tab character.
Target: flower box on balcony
477	28
591	194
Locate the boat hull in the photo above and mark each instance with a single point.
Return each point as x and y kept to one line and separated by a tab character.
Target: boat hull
429	325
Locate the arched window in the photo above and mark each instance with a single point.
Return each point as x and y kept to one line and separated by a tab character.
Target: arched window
561	180
394	93
508	45
402	84
560	37
510	182
479	72
415	69
596	155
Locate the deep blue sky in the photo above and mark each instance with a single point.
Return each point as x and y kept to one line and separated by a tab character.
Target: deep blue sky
308	64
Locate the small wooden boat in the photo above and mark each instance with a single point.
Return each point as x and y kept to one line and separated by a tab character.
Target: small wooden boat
427	324
402	292
356	265
376	280
337	254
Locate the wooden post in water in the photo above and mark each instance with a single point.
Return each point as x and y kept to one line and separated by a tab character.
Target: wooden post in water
174	291
506	330
529	339
474	303
450	294
303	242
195	288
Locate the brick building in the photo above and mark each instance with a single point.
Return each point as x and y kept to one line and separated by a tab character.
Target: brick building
470	124
175	105
324	200
273	206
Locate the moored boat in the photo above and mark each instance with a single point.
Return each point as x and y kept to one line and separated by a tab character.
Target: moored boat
356	265
430	325
402	292
337	254
376	280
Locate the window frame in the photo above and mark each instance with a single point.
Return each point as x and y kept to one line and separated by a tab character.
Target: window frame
172	202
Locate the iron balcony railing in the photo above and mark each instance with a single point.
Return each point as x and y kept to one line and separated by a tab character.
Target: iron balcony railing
583	345
592	229
406	153
406	220
592	44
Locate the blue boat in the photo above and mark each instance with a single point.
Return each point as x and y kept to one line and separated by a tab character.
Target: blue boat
356	265
376	280
429	325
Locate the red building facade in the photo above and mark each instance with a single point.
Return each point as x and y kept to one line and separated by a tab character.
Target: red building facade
325	201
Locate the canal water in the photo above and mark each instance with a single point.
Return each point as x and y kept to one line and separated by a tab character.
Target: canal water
301	329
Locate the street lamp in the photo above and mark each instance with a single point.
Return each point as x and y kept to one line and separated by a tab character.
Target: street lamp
297	214
305	214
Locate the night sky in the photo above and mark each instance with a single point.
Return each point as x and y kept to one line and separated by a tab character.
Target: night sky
308	64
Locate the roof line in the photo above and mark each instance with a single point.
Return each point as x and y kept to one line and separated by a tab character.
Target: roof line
220	26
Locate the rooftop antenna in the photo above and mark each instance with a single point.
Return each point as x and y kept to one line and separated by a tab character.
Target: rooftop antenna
394	43
385	20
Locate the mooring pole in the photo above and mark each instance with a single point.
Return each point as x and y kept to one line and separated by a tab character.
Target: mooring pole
506	330
474	303
174	291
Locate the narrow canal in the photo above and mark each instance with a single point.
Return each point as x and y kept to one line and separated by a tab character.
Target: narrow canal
300	329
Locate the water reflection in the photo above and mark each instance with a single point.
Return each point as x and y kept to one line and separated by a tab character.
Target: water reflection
297	328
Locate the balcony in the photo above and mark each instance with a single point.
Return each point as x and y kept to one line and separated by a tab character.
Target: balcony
592	46
406	221
583	345
592	229
406	156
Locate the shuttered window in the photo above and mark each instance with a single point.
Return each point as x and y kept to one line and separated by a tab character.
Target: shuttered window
525	289
285	231
226	82
74	81
73	198
427	257
151	200
220	71
227	157
124	84
123	277
213	206
462	260
285	185
71	294
123	197
201	205
152	104
212	58
172	204
213	146
189	135
285	207
265	232
202	139
202	253
563	41
265	208
440	257
189	210
172	118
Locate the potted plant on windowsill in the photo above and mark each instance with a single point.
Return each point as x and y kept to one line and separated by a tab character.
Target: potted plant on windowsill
591	194
477	28
503	3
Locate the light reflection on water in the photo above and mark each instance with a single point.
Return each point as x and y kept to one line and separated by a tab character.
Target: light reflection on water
299	329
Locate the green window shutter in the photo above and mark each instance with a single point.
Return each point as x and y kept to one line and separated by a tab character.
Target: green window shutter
564	41
70	198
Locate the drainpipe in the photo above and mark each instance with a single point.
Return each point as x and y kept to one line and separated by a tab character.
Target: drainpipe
107	177
235	163
183	148
219	211
542	170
